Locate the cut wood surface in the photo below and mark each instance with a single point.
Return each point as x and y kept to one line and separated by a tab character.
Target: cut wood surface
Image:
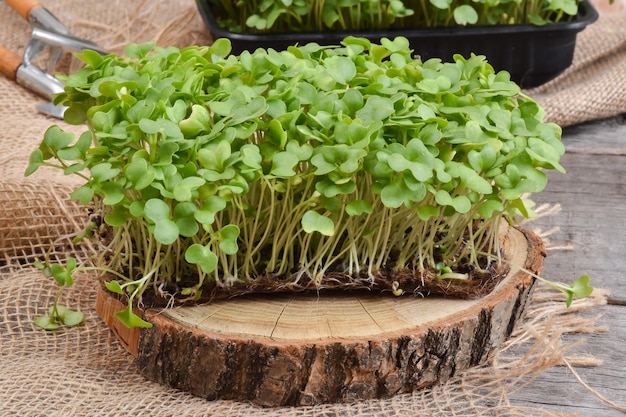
333	347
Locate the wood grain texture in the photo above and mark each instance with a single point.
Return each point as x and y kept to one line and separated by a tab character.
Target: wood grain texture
24	7
558	390
593	221
303	349
9	63
592	196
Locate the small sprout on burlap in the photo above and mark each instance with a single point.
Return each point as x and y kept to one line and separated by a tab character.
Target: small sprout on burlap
59	315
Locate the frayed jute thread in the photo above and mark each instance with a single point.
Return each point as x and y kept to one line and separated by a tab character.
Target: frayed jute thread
595	392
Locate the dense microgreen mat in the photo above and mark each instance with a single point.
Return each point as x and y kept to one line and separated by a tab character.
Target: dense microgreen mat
208	169
280	16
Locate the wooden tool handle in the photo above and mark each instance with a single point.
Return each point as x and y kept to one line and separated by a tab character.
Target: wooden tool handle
9	63
24	7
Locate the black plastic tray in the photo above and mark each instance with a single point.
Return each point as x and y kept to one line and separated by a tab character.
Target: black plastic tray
532	54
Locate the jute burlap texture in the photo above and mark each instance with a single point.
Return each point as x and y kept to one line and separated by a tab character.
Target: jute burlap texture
593	87
85	372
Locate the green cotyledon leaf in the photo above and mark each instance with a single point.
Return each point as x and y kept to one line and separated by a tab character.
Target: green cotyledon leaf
312	221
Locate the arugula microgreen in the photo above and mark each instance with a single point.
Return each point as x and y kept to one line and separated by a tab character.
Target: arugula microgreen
210	169
278	16
59	315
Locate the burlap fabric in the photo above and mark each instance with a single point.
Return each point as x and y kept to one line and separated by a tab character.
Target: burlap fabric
85	372
593	87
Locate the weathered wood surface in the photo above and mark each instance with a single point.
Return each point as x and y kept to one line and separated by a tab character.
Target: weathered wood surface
593	222
299	350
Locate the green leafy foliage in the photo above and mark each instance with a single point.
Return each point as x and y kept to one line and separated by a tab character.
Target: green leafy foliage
580	288
312	221
279	16
221	168
130	319
59	315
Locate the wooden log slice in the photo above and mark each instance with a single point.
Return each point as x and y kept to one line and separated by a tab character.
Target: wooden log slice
307	349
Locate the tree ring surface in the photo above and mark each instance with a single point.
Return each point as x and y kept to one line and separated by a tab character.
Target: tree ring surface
304	349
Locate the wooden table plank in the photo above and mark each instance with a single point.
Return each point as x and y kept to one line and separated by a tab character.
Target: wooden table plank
593	220
593	217
559	391
603	138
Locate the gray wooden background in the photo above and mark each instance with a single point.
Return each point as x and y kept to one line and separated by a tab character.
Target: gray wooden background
593	220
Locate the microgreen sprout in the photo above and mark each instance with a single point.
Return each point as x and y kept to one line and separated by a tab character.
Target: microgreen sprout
279	16
580	288
212	171
395	289
59	315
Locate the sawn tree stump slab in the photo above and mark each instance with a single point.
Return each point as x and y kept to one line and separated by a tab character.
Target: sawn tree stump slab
298	349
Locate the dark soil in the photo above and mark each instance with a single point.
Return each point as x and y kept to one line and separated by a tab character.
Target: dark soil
411	282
